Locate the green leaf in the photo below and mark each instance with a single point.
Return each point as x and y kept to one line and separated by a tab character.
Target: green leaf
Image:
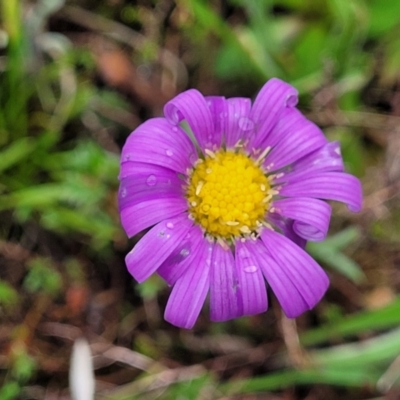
328	252
10	391
382	318
42	276
15	152
384	15
8	295
371	352
309	376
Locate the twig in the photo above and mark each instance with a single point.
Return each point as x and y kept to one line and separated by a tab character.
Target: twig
380	122
123	34
157	381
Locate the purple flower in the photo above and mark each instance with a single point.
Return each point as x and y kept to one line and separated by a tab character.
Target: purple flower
232	203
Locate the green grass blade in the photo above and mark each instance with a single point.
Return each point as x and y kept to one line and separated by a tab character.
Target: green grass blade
386	317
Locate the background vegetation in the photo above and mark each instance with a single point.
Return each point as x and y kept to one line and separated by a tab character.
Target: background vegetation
76	77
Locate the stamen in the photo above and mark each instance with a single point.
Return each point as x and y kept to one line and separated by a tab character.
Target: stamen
245	229
276	176
261	157
198	188
239	144
210	153
228	194
222	243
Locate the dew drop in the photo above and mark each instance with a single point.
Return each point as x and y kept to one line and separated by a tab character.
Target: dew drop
124	192
169	225
184	252
169	152
250	269
151	180
245	123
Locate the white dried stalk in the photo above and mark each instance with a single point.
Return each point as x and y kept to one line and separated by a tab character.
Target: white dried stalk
81	375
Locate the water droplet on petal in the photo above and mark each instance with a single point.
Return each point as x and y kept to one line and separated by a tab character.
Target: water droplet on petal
124	192
184	252
245	123
169	152
250	269
169	225
151	180
236	115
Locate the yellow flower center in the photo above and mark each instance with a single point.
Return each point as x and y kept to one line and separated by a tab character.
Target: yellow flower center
228	194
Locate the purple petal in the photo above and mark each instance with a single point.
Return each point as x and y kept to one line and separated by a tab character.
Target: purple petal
297	267
272	99
225	299
156	246
285	290
285	225
326	159
237	123
251	281
311	216
337	186
191	106
289	118
141	216
149	182
298	137
190	290
158	142
218	109
183	256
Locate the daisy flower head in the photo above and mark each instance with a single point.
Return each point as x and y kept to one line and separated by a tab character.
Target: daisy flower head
231	204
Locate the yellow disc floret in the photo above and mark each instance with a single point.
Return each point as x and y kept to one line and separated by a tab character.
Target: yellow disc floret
228	194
